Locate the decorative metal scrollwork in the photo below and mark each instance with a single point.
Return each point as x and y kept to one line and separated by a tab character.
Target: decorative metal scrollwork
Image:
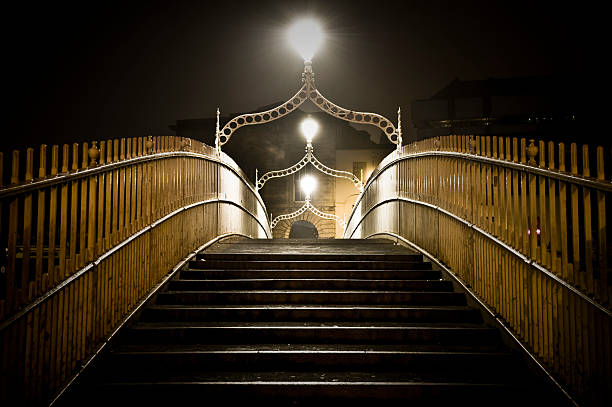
306	207
336	173
309	91
247	119
309	158
282	173
355	117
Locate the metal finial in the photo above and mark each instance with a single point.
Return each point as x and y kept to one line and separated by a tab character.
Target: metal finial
217	146
399	128
399	120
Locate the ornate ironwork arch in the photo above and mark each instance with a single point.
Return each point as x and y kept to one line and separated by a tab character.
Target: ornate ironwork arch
247	119
307	207
309	91
309	158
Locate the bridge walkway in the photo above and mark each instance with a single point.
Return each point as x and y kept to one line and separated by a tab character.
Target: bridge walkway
301	322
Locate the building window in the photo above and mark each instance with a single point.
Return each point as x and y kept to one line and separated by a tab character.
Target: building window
359	168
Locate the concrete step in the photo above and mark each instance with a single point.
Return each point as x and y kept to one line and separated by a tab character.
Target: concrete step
359	255
285	312
311	297
295	322
322	243
183	363
493	347
202	274
308	332
308	265
308	284
313	390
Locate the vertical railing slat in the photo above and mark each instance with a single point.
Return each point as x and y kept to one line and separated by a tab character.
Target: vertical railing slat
533	206
552	211
63	233
588	237
108	215
40	285
83	208
11	276
523	194
92	203
52	219
115	196
100	208
563	216
544	238
602	231
575	265
71	263
27	289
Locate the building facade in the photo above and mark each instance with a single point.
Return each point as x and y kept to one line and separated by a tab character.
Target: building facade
546	108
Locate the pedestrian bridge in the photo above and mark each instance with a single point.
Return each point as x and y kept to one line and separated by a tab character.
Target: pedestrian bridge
95	233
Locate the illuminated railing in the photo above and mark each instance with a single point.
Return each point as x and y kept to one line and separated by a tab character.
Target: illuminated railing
523	225
90	235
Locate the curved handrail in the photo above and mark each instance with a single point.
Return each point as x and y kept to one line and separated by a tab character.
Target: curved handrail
102	234
562	175
523	229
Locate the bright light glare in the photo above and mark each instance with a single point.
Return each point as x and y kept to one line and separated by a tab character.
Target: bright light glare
309	128
306	36
308	184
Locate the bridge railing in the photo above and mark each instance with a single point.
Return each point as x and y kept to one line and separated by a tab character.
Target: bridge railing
523	225
88	231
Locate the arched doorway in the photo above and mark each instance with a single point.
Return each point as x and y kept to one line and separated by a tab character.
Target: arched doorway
302	229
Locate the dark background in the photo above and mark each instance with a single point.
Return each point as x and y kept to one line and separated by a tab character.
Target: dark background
88	71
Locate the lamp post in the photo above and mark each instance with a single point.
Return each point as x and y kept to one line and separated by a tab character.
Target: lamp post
306	36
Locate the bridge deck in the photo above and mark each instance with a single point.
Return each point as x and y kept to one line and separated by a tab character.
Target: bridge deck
250	321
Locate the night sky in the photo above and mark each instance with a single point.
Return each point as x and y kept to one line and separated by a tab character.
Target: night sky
88	71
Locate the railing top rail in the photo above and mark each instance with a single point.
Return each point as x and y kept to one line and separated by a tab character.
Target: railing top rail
71	175
470	150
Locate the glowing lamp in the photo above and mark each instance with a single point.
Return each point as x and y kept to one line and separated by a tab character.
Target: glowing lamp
306	36
308	184
309	128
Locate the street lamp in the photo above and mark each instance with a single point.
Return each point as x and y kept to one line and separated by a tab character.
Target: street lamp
308	184
306	37
309	128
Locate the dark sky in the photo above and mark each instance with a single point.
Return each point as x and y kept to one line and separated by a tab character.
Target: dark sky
104	70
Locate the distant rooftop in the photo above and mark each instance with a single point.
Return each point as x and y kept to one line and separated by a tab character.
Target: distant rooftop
530	85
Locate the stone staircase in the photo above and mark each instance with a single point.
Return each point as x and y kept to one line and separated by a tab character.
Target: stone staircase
296	322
